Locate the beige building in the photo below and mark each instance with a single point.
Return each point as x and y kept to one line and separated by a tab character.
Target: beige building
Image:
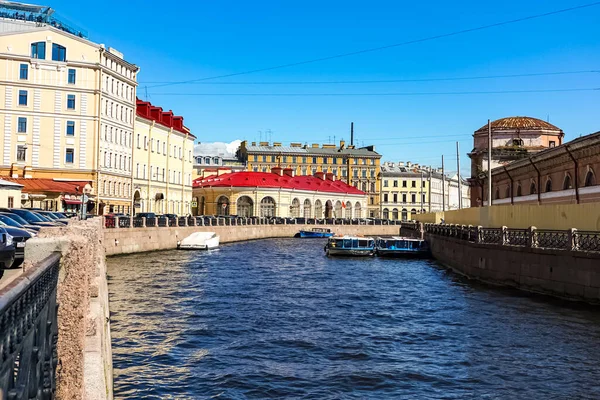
162	162
66	107
10	194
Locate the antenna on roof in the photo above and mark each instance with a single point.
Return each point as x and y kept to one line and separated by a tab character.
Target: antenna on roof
146	92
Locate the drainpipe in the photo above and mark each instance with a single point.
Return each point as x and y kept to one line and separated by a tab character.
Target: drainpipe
149	177
512	197
539	181
576	173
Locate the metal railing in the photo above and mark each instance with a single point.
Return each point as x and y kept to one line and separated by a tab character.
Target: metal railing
209	220
29	333
532	237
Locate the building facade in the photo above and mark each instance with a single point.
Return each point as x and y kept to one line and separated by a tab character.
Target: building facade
163	162
408	189
358	167
513	138
278	194
565	174
66	107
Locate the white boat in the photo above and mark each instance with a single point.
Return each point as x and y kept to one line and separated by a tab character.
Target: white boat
199	241
354	246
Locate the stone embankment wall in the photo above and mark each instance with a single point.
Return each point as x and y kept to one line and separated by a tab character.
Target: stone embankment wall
137	240
84	369
572	275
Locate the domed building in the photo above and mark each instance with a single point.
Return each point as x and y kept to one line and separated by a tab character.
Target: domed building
513	138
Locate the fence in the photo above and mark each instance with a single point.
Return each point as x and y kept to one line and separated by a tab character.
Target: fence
140	222
572	239
29	333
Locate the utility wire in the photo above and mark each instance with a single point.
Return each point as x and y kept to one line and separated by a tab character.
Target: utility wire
426	39
378	94
392	80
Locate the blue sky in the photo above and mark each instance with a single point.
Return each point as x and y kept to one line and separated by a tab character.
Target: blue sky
188	40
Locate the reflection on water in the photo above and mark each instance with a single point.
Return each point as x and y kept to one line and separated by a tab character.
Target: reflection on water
277	319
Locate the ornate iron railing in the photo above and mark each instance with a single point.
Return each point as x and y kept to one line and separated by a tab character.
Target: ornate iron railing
29	333
138	222
124	222
532	237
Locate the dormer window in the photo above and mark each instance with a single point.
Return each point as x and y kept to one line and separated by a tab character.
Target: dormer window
59	53
517	142
38	50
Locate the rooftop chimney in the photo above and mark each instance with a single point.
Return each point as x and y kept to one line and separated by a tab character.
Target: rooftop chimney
352	133
253	143
264	143
289	172
277	170
315	145
342	144
330	176
320	175
276	144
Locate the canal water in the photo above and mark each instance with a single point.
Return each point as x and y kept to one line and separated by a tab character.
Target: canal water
277	319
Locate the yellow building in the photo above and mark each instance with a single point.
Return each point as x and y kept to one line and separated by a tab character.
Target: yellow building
163	162
358	167
66	107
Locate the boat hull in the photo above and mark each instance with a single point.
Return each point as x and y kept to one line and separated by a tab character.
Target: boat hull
199	241
402	254
310	234
350	252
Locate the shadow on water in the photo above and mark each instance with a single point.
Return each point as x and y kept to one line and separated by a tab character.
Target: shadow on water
278	319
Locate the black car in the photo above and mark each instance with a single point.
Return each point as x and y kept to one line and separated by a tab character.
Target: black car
17	222
7	250
146	215
19	237
29	216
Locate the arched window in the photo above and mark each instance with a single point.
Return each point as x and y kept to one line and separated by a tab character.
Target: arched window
348	210
357	210
404	214
223	205
590	178
307	207
532	188
245	207
386	213
295	208
318	209
338	209
497	195
267	207
519	190
567	182
38	50
548	185
395	213
364	186
413	213
507	192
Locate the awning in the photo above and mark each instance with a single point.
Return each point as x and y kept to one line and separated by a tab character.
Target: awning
69	201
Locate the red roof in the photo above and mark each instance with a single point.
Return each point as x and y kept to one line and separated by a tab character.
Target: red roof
40	185
145	109
271	180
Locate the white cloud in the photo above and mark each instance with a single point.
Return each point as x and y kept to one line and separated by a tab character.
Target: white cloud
217	148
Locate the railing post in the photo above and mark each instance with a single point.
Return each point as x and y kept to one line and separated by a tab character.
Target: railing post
479	234
532	237
504	235
143	222
573	239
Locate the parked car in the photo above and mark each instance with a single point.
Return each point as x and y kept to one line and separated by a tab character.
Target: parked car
169	216
145	215
29	216
51	217
7	250
20	236
17	222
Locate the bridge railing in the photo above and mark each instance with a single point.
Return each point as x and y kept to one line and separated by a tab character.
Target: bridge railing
532	237
29	333
210	220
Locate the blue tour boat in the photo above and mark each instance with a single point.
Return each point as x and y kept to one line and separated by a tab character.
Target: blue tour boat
316	233
397	246
350	246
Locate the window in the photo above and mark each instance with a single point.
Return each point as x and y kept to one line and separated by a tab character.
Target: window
22	126
395	183
59	53
70	101
403	183
24	71
22	97
413	198
532	188
552	142
38	50
385	197
138	140
70	128
567	183
549	185
404	197
71	78
314	160
590	179
395	197
11	202
21	153
304	160
385	183
414	184
519	190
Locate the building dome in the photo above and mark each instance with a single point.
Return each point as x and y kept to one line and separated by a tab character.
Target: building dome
519	123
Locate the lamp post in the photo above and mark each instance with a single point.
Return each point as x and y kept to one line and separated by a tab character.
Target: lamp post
87	189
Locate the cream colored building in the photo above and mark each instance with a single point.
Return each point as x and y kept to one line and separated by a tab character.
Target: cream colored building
162	162
10	194
66	109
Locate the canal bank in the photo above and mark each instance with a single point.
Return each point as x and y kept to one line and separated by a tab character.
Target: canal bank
138	240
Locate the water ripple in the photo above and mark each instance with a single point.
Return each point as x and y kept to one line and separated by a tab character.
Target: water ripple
276	319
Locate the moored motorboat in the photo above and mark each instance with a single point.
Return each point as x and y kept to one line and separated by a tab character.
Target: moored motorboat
355	246
199	241
316	233
397	246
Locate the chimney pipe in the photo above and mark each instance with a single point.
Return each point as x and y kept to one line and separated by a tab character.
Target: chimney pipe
351	133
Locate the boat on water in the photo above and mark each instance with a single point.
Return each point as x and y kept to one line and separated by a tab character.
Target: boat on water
397	246
354	246
199	241
316	233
